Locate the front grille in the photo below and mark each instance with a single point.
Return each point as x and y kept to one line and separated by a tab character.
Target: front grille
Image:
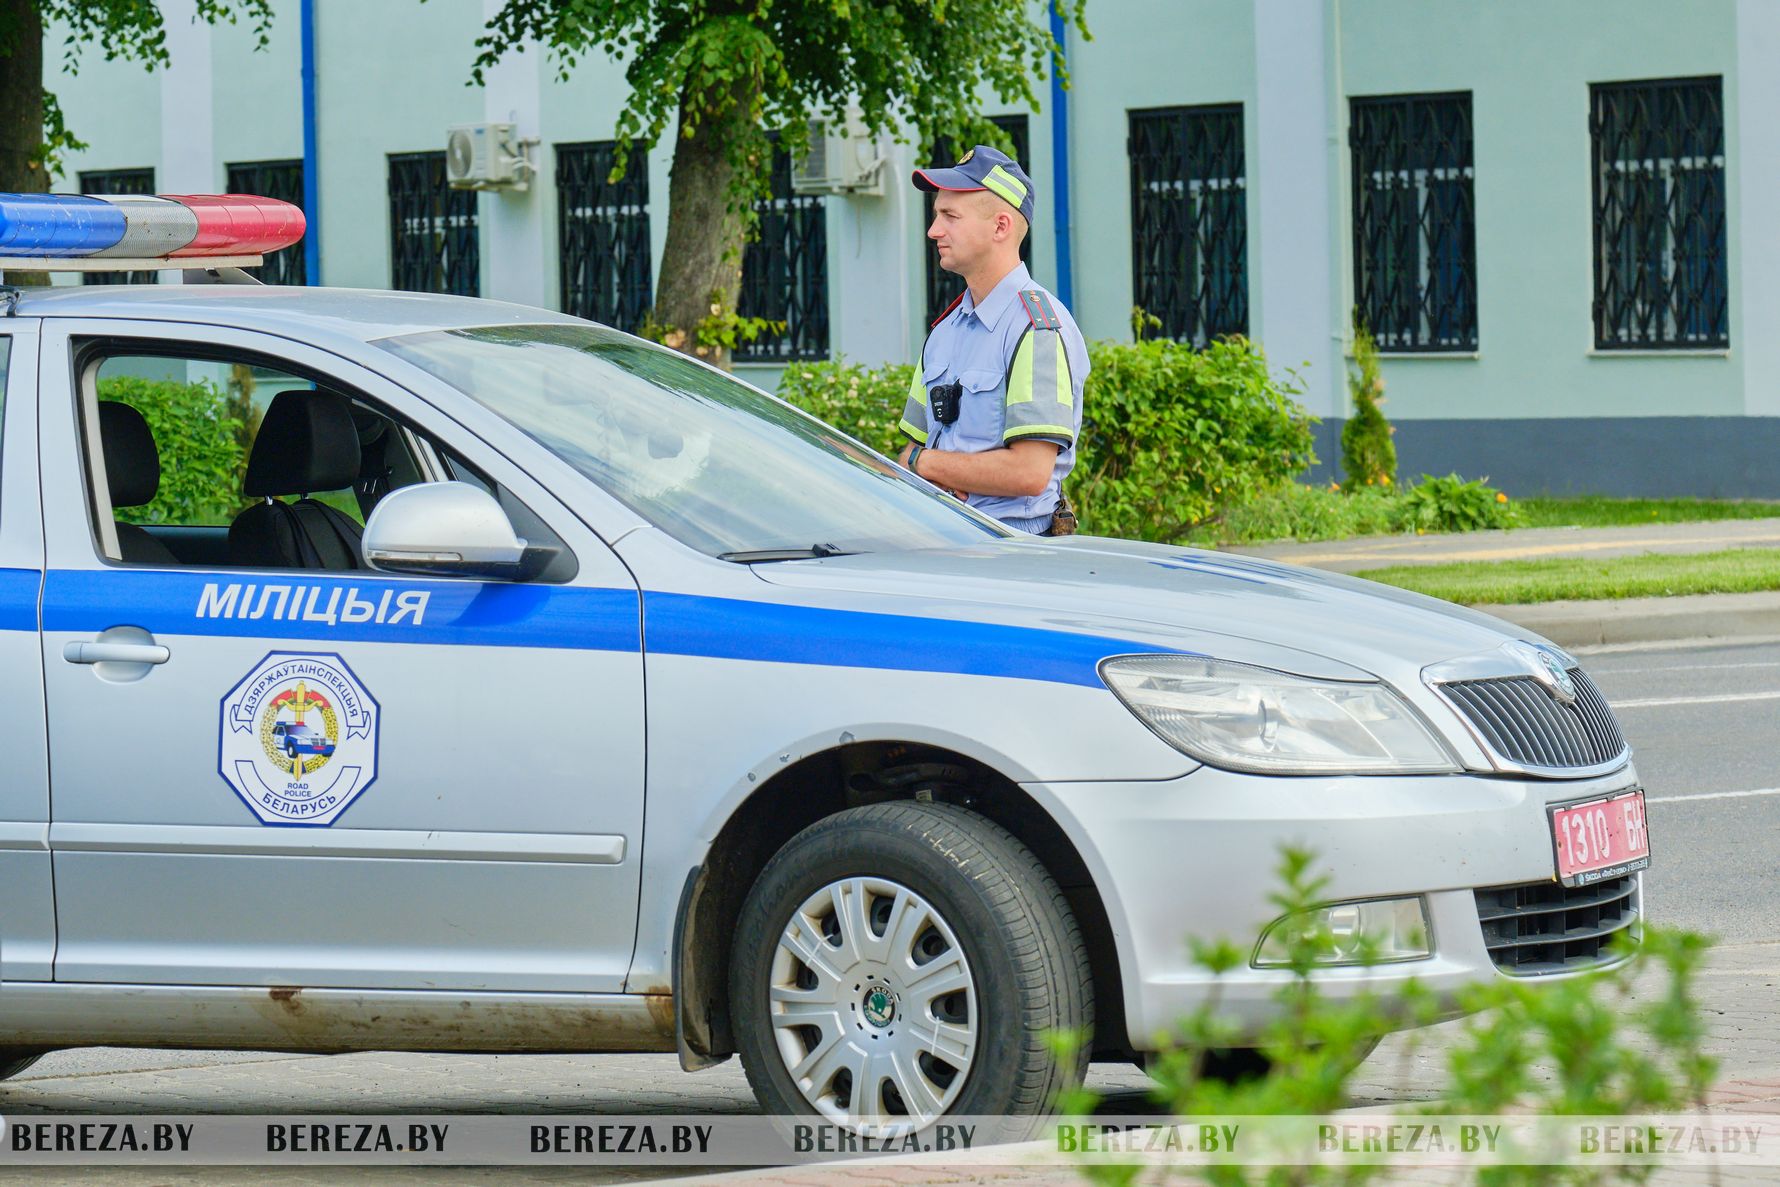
1523	724
1546	927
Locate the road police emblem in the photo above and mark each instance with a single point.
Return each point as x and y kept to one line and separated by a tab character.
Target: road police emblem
299	738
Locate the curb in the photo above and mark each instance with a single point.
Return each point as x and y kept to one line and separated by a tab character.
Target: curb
1647	620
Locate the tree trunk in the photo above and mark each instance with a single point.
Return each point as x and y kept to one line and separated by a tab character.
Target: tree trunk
21	108
701	264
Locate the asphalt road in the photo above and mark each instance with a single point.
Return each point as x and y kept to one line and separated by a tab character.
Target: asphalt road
1701	721
1703	727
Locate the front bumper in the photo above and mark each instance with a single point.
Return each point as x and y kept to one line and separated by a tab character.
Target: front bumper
1198	857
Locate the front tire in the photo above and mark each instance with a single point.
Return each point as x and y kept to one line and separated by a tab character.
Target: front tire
14	1060
900	962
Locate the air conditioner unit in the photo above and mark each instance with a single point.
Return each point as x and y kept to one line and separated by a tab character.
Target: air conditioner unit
486	157
841	159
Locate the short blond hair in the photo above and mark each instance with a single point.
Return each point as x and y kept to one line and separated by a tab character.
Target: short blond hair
991	205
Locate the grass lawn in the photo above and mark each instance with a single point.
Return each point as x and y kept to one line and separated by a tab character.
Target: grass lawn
1743	570
1592	511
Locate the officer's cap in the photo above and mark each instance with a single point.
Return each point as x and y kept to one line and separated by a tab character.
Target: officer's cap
983	168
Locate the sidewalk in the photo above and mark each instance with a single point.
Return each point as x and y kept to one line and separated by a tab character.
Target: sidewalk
1577	624
1736	992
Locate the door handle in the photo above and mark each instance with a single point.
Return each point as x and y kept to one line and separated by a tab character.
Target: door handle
115	653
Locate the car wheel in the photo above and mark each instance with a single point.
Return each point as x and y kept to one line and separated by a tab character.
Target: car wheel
13	1061
900	962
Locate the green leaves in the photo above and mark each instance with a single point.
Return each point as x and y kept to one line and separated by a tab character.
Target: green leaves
202	457
1172	436
863	401
1368	456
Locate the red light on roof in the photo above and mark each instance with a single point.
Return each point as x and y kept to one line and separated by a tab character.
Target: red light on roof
239	224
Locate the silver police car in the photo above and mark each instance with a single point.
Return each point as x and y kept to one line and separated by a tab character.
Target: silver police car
532	688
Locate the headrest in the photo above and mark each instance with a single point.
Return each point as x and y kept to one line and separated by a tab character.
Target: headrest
307	442
132	464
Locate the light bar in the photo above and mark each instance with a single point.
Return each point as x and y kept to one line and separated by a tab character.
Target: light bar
104	232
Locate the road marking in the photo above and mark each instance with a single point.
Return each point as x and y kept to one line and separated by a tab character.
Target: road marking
1686	668
1723	698
1710	795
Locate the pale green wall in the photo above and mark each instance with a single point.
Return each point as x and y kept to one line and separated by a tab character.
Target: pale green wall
392	77
1528	64
114	106
1168	54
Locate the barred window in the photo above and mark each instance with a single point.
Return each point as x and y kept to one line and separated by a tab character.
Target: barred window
1415	223
943	287
1189	220
1661	276
785	273
603	234
118	181
432	228
282	180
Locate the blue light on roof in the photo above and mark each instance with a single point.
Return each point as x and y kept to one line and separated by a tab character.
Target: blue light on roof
57	225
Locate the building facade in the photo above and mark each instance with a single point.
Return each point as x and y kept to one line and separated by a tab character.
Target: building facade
1548	214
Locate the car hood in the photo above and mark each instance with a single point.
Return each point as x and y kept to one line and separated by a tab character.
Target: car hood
1307	621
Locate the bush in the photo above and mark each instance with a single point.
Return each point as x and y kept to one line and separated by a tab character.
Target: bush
202	455
1293	511
1368	457
1171	435
1451	504
863	401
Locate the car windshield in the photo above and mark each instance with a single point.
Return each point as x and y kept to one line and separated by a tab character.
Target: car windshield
713	462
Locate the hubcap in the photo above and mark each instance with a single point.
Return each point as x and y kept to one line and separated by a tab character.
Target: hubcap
873	1006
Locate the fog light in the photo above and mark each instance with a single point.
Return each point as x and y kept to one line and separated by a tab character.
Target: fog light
1375	931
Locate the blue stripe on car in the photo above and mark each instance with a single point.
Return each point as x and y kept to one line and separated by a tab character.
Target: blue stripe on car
497	615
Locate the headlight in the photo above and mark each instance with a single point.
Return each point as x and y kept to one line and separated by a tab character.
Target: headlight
1254	719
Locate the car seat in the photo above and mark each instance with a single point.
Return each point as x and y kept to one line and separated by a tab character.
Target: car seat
307	442
132	476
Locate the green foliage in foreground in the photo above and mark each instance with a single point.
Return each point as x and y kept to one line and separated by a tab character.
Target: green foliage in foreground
1592	511
1626	1040
1551	579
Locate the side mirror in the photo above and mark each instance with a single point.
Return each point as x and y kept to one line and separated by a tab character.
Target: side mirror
450	529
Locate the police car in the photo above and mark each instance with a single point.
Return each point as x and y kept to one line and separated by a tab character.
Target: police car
652	714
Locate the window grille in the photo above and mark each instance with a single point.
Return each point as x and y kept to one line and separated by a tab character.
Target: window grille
1415	223
118	181
1661	276
1189	220
432	228
943	287
603	234
785	273
282	180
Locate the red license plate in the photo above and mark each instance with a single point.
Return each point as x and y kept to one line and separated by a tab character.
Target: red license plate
1600	839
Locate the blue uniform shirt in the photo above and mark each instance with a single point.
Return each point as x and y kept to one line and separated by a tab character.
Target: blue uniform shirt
1022	362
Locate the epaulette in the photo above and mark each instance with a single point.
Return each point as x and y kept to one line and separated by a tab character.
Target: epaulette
947	311
1038	310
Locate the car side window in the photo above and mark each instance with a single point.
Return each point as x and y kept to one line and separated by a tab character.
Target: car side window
230	463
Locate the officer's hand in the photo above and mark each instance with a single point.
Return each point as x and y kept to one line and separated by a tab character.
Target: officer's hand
902	459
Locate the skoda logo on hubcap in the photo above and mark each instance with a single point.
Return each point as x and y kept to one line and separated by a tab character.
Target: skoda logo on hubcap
880	1007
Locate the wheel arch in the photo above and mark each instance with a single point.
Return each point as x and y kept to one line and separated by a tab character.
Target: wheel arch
829	781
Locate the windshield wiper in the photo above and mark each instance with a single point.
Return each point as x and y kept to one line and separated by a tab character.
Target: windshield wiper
784	554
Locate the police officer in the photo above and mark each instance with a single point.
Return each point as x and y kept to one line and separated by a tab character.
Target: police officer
996	404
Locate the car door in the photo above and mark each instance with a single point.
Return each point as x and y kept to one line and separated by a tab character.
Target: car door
27	922
469	819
